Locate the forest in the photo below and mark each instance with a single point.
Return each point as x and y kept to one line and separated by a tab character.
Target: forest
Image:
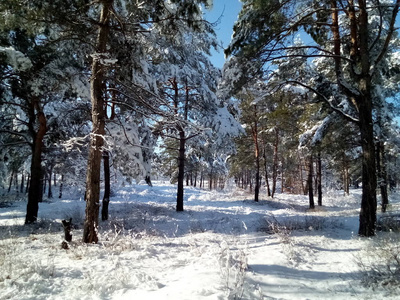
116	126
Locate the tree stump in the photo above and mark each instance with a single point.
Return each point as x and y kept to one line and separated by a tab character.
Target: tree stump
67	233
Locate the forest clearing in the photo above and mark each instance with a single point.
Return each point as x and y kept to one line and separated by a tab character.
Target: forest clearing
133	167
224	246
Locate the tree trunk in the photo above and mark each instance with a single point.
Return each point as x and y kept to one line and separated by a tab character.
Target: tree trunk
148	180
28	182
319	178
35	192
98	123
257	183
250	181
50	175
282	175
346	176
310	183
22	182
16	182
346	179
267	183
275	163
61	186
266	172
107	186
67	229
301	173
364	103
11	180
384	185
181	170
256	155
368	202
382	175
43	181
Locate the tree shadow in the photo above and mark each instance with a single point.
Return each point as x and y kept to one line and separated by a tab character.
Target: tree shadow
291	281
152	210
43	226
163	220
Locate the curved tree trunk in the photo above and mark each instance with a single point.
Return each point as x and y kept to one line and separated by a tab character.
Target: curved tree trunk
35	188
92	194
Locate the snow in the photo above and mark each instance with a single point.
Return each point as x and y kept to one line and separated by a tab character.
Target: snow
16	58
224	246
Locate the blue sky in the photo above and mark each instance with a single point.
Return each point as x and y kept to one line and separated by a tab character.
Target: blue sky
227	11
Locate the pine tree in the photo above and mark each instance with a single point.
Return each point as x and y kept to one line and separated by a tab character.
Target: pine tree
34	81
261	35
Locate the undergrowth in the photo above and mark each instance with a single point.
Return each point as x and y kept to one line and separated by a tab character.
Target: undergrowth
379	262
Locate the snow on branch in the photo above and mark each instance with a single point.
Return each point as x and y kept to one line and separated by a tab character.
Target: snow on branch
104	59
75	143
16	59
326	100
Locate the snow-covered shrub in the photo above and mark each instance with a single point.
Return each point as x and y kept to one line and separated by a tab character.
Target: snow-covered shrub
380	262
118	240
44	226
283	231
197	227
299	223
389	223
77	214
285	226
7	257
233	266
18	267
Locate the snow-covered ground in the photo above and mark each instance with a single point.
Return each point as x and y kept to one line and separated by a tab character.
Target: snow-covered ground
224	246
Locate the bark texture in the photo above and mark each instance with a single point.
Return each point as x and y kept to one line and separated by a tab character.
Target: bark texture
98	120
181	170
364	104
107	186
35	191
